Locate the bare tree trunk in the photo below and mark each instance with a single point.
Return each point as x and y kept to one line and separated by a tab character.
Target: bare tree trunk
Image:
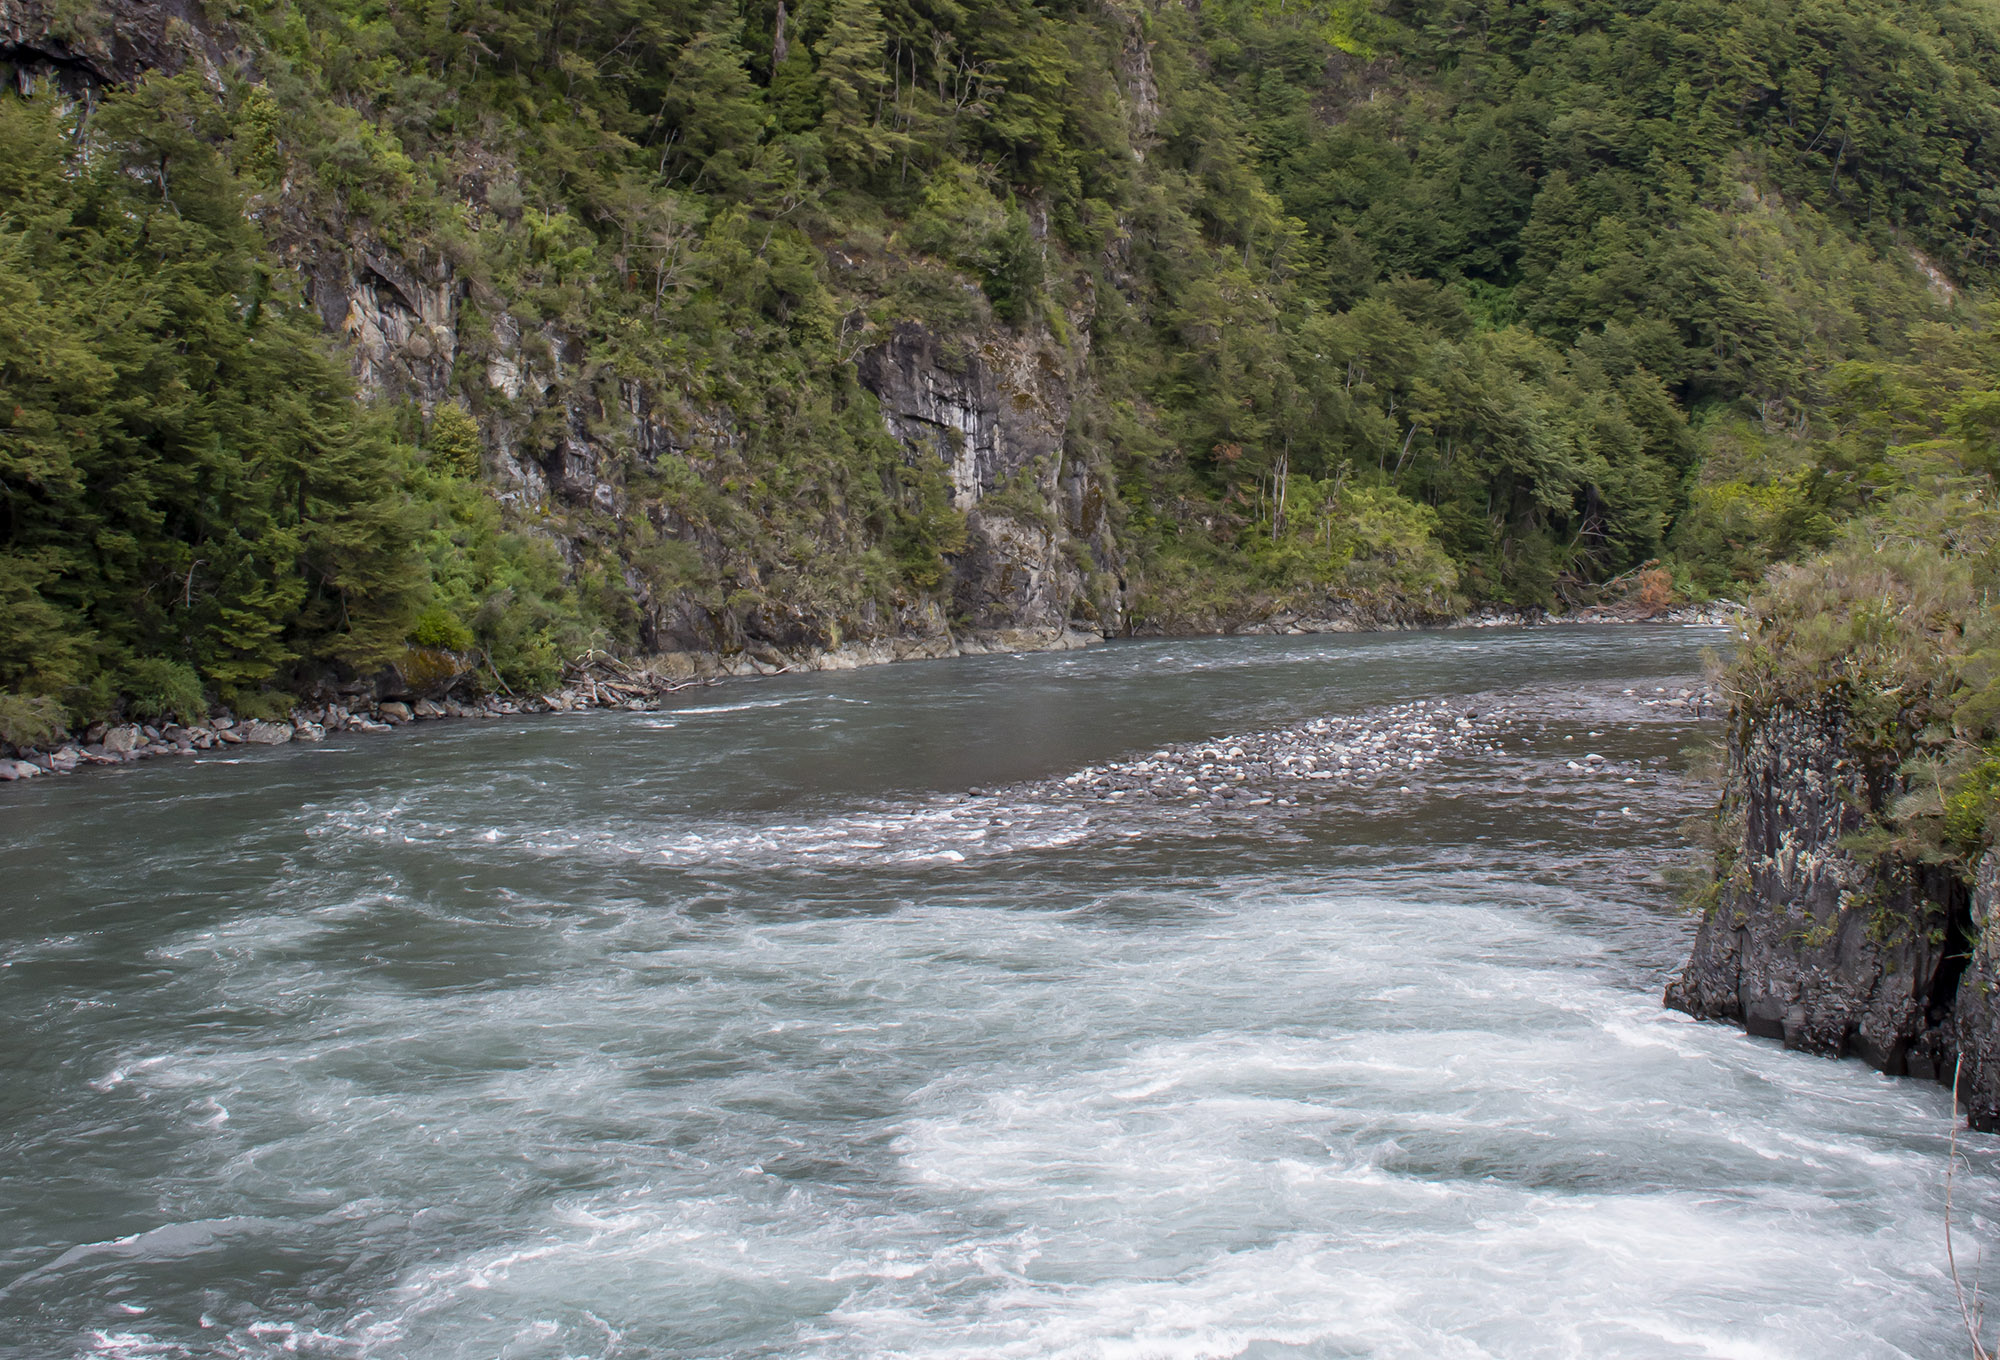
1281	483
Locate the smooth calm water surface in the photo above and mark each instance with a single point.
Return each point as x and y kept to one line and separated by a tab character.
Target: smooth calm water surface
749	1029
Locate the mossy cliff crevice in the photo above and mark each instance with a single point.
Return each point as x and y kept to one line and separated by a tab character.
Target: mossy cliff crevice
85	47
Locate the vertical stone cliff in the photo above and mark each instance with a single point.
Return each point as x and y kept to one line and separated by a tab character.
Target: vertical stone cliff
990	408
994	410
1830	949
1976	1010
580	459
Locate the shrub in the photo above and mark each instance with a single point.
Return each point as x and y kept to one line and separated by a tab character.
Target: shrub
439	627
453	444
158	688
1656	589
29	720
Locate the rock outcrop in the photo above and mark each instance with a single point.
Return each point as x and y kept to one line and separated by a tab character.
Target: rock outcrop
1975	1025
1828	948
986	413
995	412
564	449
83	49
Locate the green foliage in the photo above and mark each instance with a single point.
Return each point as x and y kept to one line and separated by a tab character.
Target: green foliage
960	221
439	627
1874	627
159	688
266	705
1969	807
30	720
1394	551
183	470
452	445
1407	304
925	534
497	591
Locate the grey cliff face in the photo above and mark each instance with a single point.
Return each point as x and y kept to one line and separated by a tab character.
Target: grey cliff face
1976	1012
399	316
40	39
1810	944
956	404
994	411
991	408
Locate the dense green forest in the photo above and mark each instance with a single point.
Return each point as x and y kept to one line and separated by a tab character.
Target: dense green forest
1426	302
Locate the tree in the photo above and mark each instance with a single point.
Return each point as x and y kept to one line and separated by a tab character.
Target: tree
855	83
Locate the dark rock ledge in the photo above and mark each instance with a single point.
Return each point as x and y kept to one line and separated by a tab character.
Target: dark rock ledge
1808	943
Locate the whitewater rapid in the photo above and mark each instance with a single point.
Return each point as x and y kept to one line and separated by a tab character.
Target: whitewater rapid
852	1016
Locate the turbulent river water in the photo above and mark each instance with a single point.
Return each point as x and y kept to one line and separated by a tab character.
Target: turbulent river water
850	1016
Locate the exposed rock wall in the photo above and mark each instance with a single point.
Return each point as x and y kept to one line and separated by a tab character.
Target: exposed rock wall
44	39
399	315
991	407
995	410
986	413
1976	1012
1814	945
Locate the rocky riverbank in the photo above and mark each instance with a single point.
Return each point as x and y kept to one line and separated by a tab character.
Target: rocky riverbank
598	681
1808	942
604	682
124	743
1830	948
1332	756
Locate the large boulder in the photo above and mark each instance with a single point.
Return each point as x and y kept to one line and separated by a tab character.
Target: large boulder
424	672
261	733
123	740
1807	941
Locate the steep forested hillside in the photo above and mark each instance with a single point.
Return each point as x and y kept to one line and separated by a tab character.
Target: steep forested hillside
467	334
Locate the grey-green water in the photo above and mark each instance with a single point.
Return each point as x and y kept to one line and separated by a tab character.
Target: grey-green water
746	1030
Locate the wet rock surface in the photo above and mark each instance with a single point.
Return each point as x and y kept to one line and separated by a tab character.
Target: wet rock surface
1403	745
1974	1033
1505	765
1827	951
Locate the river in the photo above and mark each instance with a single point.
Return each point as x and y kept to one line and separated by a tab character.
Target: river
828	1015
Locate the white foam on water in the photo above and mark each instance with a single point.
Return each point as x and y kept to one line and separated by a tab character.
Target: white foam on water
749	705
625	1090
945	830
1038	1135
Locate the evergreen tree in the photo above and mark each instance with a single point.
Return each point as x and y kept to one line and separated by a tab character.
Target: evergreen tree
796	105
855	84
718	110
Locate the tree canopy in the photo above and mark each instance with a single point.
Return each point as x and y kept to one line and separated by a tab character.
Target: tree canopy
1429	300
